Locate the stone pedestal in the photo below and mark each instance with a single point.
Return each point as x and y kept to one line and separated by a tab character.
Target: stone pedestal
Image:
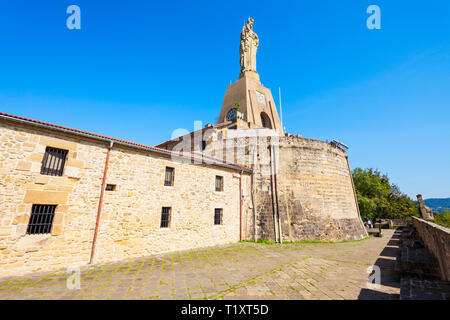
249	74
255	102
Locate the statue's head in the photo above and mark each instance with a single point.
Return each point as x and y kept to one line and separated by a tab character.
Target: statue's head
250	22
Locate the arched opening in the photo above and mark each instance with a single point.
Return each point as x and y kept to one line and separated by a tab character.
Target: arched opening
265	121
231	115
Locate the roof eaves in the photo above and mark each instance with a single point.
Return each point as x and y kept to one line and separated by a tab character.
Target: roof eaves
107	139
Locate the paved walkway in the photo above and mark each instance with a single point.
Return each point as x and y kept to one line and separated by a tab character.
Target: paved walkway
239	271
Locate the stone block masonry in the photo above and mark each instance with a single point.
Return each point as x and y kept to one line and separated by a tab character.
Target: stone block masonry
130	217
316	198
312	191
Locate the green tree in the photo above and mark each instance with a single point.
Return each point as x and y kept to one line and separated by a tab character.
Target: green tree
378	198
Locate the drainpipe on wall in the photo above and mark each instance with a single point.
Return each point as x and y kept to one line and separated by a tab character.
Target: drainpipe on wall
100	202
280	234
240	206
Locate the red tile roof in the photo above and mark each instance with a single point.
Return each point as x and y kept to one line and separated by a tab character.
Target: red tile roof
217	125
185	155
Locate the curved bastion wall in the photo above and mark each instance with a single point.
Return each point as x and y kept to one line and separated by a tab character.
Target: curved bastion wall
316	198
312	190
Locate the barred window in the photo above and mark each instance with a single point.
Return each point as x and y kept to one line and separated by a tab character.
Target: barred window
41	218
219	183
218	216
165	217
53	161
168	178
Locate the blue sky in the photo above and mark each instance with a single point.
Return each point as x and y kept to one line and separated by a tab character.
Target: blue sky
138	70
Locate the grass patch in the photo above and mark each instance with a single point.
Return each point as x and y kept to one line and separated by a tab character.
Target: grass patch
269	242
442	219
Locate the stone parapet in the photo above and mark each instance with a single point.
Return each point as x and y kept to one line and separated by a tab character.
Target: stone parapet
437	239
129	225
312	190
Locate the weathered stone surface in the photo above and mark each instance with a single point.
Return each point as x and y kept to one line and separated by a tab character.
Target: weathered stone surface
255	102
21	219
45	197
57	143
5	231
419	262
23	166
57	229
416	289
248	48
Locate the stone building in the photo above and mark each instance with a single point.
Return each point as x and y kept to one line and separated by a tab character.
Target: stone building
69	197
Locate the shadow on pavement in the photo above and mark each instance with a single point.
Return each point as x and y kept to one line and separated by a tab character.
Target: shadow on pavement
369	294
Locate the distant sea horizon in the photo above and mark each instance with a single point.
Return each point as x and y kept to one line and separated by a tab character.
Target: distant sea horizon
438	204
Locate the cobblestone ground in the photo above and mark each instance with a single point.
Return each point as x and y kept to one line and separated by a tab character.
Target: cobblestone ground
238	271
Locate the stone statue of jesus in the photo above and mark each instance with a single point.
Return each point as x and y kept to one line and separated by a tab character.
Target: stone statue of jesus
249	45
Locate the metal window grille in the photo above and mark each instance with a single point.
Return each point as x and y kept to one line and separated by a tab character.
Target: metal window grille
165	217
41	218
217	216
53	161
219	183
168	179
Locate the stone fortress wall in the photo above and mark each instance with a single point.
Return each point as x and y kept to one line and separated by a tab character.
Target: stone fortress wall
130	218
316	195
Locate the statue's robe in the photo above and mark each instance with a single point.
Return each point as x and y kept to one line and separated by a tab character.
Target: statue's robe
249	45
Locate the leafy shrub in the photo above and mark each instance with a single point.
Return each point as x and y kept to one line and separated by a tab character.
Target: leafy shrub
378	198
443	219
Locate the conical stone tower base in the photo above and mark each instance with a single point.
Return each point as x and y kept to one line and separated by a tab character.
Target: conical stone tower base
253	101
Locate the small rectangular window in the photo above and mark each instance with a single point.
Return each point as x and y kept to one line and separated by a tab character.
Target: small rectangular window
169	176
218	216
219	183
53	161
110	187
41	218
165	217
